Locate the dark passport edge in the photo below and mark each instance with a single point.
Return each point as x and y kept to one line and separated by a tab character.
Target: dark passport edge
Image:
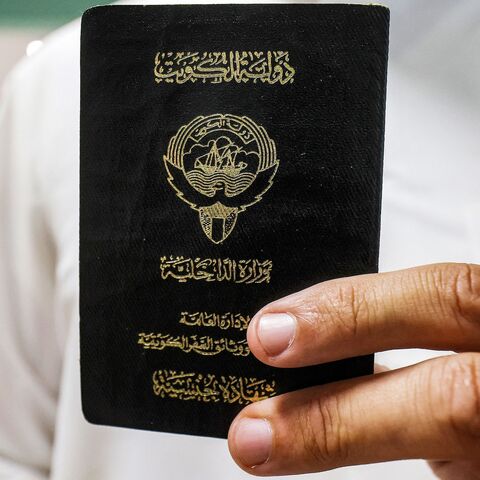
381	144
92	416
92	11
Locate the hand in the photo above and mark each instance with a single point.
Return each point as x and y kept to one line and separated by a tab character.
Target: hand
430	410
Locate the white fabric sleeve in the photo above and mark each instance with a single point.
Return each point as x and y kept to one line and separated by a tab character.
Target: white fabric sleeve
30	358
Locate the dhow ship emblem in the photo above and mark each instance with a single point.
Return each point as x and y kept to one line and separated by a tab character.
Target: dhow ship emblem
220	165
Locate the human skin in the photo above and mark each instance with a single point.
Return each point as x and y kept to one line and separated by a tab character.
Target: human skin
430	410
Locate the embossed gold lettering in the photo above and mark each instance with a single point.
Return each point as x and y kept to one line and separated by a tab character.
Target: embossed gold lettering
211	388
223	321
202	345
184	269
270	67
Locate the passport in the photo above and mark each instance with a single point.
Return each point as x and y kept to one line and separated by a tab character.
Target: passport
229	155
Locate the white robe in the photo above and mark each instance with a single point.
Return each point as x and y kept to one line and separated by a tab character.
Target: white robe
431	213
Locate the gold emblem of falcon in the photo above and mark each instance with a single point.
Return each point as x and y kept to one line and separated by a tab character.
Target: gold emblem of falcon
220	165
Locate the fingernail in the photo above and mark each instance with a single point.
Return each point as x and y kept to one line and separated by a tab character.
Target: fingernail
253	441
275	332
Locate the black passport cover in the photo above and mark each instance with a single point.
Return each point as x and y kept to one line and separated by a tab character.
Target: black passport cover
230	155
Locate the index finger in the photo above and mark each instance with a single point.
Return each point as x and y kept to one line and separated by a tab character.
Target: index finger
434	306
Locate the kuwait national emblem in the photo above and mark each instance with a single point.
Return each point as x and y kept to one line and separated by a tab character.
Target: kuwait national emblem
220	165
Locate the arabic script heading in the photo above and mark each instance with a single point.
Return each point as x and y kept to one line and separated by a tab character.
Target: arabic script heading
270	67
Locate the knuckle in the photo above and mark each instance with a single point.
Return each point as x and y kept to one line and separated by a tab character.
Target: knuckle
341	308
460	381
465	290
352	308
322	432
455	288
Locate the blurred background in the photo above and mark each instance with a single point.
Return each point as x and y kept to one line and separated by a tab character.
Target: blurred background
23	23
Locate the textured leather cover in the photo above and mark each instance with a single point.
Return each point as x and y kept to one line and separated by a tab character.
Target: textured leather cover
230	155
